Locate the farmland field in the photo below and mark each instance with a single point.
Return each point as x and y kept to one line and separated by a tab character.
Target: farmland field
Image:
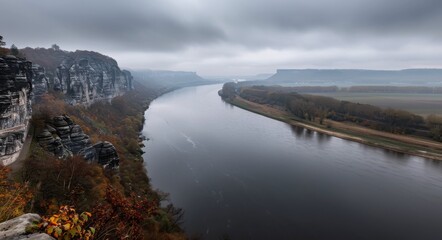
422	104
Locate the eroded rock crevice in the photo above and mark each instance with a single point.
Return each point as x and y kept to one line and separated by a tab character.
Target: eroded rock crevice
64	138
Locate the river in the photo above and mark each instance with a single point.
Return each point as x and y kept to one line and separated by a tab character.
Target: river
240	175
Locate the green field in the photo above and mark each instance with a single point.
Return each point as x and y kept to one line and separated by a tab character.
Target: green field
422	104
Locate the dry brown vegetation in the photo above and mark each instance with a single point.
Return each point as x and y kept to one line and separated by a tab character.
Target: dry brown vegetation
123	202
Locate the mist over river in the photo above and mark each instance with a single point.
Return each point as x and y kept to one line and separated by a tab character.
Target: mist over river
245	176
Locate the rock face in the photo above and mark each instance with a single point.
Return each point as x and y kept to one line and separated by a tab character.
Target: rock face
15	106
85	80
15	229
103	153
82	76
64	138
40	82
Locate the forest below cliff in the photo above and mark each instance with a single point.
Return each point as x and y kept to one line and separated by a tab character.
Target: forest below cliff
122	201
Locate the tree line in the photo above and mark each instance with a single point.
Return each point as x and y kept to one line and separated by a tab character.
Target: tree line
317	108
351	89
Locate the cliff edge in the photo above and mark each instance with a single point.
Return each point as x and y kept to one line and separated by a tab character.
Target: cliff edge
15	106
83	76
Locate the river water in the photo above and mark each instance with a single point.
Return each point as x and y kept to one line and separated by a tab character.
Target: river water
244	176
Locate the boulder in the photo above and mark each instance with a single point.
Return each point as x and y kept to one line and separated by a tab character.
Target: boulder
16	228
79	140
64	138
106	154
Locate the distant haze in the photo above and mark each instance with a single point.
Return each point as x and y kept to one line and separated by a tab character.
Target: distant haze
232	37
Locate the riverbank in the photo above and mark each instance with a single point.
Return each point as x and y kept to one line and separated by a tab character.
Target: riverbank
394	142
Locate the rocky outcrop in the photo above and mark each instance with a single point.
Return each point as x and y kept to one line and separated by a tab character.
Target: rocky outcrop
85	80
16	228
40	82
83	76
103	153
15	106
64	138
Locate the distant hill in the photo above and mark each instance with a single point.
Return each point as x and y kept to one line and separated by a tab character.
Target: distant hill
355	76
169	80
261	76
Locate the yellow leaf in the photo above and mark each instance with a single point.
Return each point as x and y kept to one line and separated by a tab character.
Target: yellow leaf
67	226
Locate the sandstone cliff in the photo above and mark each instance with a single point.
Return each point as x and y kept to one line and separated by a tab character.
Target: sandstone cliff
64	138
83	76
15	106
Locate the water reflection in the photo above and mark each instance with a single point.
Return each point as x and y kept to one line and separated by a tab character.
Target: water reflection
227	105
388	155
434	163
309	134
322	137
304	133
297	131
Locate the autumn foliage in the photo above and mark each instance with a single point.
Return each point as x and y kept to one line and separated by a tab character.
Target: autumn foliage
122	203
14	196
121	217
67	224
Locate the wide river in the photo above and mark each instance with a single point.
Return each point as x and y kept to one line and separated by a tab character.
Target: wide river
240	175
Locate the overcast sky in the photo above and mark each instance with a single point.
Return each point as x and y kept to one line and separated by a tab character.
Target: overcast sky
235	37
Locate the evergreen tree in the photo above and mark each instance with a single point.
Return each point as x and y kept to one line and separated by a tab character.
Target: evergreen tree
55	47
1	41
14	50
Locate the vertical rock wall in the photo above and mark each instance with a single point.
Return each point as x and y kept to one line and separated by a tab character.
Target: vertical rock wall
85	80
40	82
83	76
15	106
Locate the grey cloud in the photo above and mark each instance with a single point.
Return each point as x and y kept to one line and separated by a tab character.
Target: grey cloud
144	25
353	15
207	34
